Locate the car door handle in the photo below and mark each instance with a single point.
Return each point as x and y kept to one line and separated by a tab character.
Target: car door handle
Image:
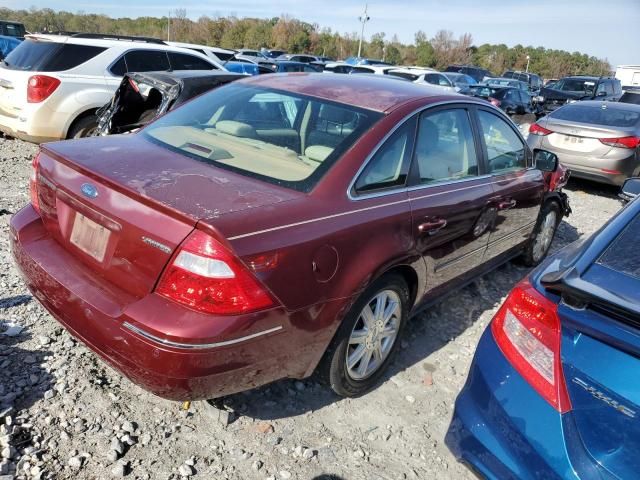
506	204
432	226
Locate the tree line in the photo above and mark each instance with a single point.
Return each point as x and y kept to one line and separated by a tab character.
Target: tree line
293	35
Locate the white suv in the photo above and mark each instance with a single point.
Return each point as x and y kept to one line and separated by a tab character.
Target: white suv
220	55
51	85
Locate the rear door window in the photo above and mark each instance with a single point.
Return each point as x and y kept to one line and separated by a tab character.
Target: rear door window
70	56
445	148
39	56
183	61
147	61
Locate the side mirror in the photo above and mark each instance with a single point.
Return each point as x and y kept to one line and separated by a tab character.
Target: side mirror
545	161
630	189
601	94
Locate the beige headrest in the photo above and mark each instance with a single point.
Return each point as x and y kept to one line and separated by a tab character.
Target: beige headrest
318	153
237	129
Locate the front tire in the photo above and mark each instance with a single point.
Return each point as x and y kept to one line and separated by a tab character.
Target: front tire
543	234
368	337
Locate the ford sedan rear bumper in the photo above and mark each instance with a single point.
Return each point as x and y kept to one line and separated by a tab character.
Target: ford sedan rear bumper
190	358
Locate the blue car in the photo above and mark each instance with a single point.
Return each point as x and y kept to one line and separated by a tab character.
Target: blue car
8	44
242	67
554	387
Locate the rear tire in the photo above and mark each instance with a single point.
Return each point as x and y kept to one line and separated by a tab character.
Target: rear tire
83	127
543	234
367	340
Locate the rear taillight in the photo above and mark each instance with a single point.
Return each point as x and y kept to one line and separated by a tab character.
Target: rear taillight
527	330
535	129
622	142
207	277
494	101
33	182
39	87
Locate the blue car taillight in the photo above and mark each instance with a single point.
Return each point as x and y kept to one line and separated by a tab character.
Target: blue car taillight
527	330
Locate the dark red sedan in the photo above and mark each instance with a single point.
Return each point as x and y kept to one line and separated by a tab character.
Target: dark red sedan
278	225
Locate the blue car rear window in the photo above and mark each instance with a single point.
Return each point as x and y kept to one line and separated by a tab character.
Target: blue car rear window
622	254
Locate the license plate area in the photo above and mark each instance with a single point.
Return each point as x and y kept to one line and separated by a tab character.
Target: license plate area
570	139
90	237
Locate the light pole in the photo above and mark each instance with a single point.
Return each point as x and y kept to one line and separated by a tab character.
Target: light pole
528	58
363	19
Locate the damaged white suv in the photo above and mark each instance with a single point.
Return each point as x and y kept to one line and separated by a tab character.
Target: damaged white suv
51	85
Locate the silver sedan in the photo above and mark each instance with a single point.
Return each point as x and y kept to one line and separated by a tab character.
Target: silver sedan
596	140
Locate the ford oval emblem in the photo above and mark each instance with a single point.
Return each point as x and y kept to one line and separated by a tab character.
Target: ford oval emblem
89	190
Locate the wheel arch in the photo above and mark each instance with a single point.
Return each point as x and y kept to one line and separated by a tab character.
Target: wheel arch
77	118
557	199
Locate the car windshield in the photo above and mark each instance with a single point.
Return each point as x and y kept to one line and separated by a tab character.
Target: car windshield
622	255
280	137
42	56
523	77
575	85
598	115
460	78
502	82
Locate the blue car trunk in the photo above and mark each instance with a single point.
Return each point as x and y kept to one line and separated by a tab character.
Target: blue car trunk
601	355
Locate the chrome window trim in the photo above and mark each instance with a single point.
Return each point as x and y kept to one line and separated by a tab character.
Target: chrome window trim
195	346
351	195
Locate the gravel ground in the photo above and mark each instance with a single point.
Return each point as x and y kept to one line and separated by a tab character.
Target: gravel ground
65	414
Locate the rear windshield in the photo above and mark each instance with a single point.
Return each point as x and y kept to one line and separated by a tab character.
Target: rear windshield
503	83
523	77
597	115
409	76
622	255
280	137
483	91
575	85
39	56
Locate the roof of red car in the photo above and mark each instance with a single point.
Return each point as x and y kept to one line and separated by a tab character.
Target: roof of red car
373	92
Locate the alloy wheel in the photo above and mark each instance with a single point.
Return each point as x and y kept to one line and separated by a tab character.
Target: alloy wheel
543	239
373	335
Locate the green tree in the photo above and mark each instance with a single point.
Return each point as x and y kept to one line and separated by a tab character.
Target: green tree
425	55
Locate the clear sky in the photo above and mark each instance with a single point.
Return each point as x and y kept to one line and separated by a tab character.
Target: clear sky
606	29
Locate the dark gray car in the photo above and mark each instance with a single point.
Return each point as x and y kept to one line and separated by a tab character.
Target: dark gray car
596	140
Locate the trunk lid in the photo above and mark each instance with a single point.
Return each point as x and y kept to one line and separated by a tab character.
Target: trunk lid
122	205
581	137
600	351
